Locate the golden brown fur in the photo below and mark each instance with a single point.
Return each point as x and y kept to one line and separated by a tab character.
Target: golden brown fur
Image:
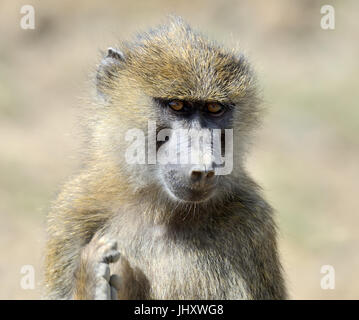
224	248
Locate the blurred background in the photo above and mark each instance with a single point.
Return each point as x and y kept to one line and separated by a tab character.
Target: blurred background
306	155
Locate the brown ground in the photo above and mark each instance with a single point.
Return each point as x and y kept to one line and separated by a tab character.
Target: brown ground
307	151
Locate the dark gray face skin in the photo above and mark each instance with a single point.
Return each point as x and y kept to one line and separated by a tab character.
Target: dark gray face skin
192	182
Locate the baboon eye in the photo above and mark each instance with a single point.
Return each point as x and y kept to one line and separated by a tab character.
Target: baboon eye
214	108
176	105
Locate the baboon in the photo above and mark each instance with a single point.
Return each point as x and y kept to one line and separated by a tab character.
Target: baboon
121	230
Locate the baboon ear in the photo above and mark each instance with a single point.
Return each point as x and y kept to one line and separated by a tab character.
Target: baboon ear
115	54
107	70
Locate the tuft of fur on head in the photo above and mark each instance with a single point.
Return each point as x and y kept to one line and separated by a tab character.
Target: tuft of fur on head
172	61
187	65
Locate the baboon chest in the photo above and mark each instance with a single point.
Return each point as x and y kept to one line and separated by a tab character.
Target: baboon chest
178	266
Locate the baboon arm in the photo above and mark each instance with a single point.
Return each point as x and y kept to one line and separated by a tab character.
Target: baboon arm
72	223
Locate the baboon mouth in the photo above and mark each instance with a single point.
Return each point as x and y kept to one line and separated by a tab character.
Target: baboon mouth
192	195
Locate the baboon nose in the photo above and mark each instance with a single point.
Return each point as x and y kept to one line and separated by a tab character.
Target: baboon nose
201	175
196	175
210	174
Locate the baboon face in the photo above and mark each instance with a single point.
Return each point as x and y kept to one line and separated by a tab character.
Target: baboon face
190	148
194	91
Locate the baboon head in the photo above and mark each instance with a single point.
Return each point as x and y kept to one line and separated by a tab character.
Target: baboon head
172	93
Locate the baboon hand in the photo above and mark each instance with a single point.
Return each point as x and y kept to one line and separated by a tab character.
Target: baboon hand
94	279
107	285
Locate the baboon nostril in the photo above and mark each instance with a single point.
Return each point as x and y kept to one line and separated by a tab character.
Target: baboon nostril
210	174
196	175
